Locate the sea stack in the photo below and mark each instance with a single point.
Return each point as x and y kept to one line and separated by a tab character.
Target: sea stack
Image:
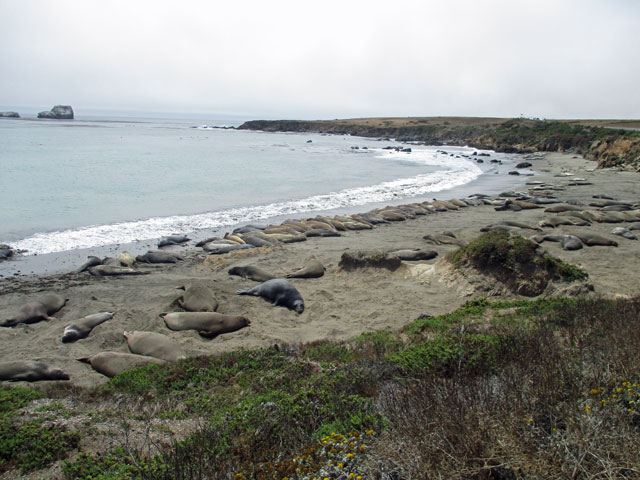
9	115
59	112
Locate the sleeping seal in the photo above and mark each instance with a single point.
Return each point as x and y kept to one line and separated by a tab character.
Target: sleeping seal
82	328
253	273
156	256
415	254
172	240
155	345
591	239
207	324
30	371
198	298
312	269
36	310
113	363
568	242
279	292
92	261
112	271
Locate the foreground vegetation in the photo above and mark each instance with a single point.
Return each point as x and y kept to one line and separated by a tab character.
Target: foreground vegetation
610	143
547	388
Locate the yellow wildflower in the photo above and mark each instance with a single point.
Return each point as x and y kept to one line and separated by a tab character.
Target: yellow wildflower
587	409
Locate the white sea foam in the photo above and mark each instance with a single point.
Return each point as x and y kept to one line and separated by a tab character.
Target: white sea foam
455	172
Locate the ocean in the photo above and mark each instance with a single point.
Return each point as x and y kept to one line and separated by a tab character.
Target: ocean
98	181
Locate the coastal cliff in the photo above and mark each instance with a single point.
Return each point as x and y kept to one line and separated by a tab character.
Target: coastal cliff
610	143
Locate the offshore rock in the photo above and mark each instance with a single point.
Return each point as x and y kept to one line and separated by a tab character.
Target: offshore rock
9	115
59	112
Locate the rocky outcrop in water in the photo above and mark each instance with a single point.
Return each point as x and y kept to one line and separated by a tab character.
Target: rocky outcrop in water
59	112
9	115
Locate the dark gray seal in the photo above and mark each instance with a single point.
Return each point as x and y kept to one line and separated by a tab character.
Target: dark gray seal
155	256
207	324
155	345
113	363
568	242
279	292
198	298
172	240
623	232
39	309
30	371
6	251
82	328
92	261
312	269
253	273
218	248
112	271
412	255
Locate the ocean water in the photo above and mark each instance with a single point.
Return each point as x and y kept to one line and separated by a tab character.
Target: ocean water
94	181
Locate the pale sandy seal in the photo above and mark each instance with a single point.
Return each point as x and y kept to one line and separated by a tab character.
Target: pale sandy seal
126	259
114	363
35	310
253	273
198	298
155	345
111	271
82	328
156	256
207	324
172	240
414	254
30	371
279	292
623	232
92	261
312	269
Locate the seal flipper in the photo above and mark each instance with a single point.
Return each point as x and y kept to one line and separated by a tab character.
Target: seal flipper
246	291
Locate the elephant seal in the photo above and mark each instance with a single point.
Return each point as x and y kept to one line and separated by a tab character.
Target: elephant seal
112	271
198	298
441	239
592	239
563	208
256	241
312	269
92	261
113	363
126	259
6	251
510	223
36	310
623	232
568	242
415	254
172	240
253	273
156	256
82	328
322	232
207	324
279	292
155	345
30	371
219	248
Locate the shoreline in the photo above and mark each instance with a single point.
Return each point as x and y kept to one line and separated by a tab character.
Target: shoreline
339	305
34	265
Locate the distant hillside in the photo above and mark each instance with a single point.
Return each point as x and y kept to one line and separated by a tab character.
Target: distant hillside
612	143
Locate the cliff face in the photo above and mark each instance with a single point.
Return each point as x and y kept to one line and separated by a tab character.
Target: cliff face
610	147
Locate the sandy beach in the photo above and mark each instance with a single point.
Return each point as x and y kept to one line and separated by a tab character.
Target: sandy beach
339	305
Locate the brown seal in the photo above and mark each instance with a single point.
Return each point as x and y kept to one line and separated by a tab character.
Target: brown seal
39	309
155	345
30	371
312	269
207	324
114	363
253	273
198	298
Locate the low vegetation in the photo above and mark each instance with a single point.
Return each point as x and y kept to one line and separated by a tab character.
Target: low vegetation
545	388
515	261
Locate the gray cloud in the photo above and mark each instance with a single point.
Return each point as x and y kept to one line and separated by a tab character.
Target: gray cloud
544	58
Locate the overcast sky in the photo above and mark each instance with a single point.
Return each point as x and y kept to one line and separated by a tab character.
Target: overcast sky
325	59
